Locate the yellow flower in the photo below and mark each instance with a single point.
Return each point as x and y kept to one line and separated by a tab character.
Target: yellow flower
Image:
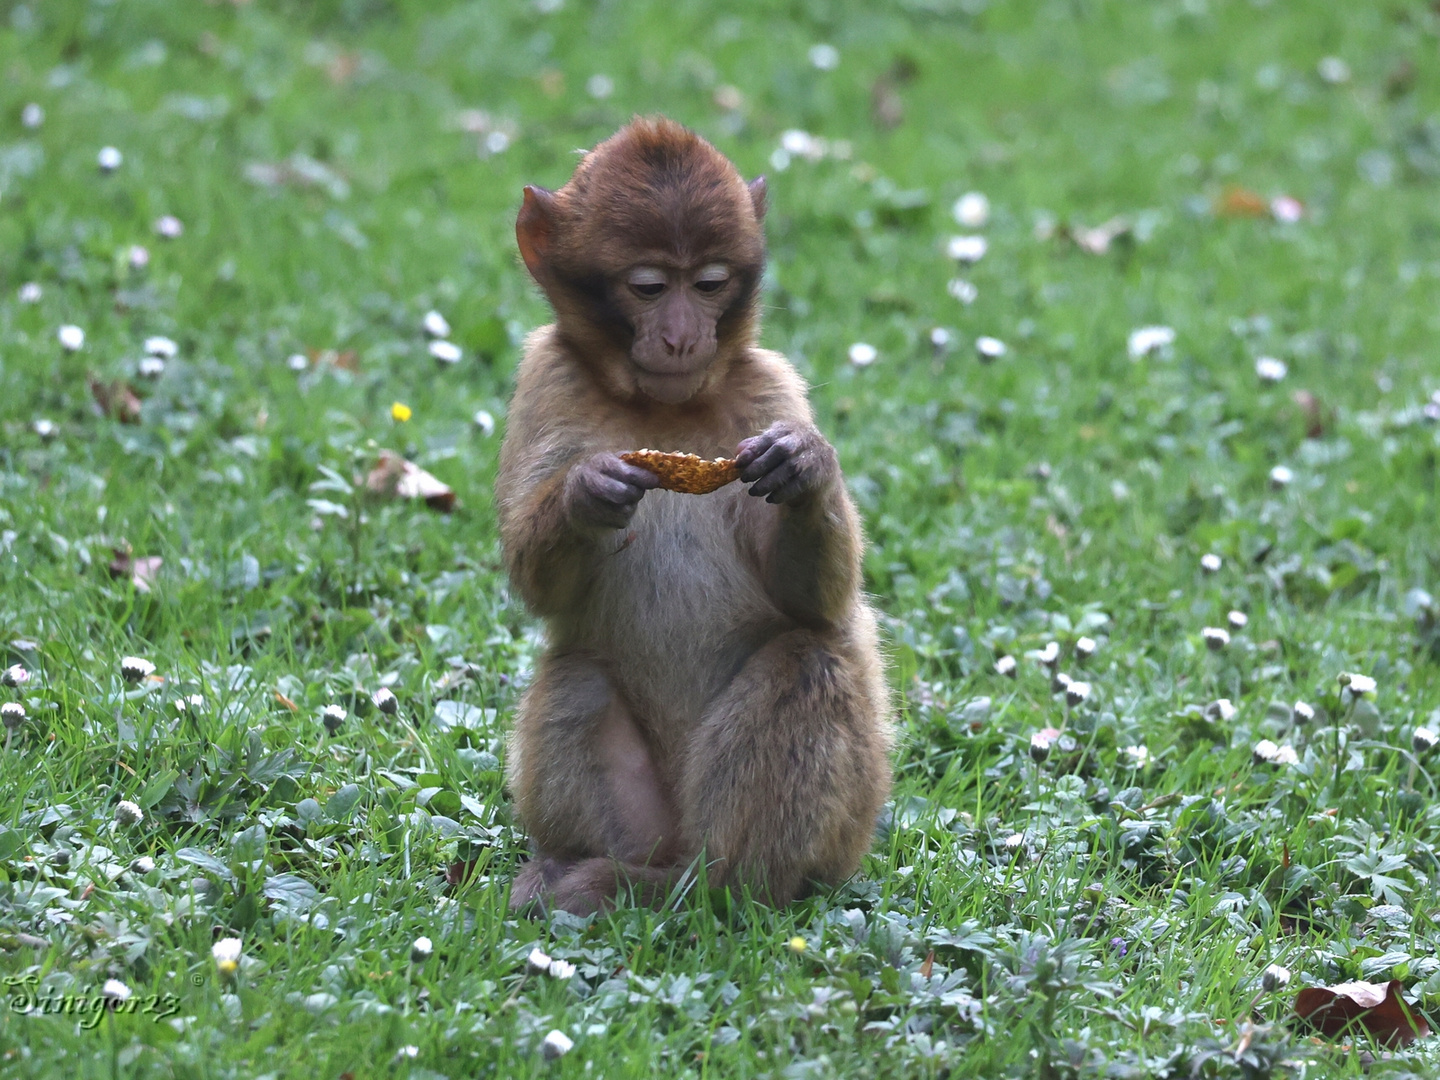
401	411
797	944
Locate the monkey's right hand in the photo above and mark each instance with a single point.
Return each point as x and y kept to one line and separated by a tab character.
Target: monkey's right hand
602	491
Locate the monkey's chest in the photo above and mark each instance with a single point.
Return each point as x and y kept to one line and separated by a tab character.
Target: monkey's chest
678	604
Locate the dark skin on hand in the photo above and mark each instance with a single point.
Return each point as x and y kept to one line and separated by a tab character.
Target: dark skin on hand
711	699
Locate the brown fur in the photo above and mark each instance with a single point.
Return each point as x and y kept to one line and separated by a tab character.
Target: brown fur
712	684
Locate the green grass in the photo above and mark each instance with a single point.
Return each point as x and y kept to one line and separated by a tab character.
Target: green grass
1090	915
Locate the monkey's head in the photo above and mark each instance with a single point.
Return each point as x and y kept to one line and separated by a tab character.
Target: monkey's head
651	257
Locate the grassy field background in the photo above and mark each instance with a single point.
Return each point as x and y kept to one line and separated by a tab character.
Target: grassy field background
341	168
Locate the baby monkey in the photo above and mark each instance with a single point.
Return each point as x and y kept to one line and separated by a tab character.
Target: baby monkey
712	686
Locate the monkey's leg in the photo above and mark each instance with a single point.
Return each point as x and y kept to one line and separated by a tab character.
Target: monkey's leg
584	781
789	768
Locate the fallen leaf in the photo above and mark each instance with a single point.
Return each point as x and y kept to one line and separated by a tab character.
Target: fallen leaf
141	572
1317	415
395	476
283	700
1097	241
1377	1009
1237	201
348	360
116	400
928	965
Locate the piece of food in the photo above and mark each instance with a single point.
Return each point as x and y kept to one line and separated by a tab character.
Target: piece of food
685	472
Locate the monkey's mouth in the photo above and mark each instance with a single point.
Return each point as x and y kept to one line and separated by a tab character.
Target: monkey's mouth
670	387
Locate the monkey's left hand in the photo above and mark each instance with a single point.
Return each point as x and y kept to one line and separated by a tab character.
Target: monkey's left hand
788	463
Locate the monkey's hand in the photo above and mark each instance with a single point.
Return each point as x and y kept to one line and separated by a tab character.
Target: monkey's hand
603	491
788	463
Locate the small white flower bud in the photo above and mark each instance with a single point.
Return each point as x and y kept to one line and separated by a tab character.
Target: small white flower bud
485	422
538	962
1049	655
556	1045
15	675
32	116
1302	713
1265	752
226	953
1216	639
1076	693
71	337
30	293
863	354
435	325
12	714
1040	744
143	865
162	347
128	813
114	991
940	339
1281	476
562	969
1059	682
297	362
1222	709
967	249
1210	563
1238	620
447	352
151	367
332	716
1275	977
1423	740
989	349
169	227
138	256
385	701
109	159
1085	648
1270	370
972	210
1006	666
135	668
421	949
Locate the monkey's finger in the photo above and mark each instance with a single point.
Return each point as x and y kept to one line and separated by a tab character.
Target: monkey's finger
751	448
770	459
607	489
789	493
784	473
635	475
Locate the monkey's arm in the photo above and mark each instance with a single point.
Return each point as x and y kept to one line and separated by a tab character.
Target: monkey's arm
560	498
812	562
554	523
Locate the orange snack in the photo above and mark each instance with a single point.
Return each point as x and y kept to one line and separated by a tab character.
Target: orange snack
685	472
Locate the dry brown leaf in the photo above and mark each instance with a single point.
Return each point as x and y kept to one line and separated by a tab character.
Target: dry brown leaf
116	400
1236	201
1317	415
142	572
281	699
395	476
346	360
687	473
1097	241
1372	1007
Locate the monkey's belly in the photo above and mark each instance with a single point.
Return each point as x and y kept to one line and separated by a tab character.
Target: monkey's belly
677	609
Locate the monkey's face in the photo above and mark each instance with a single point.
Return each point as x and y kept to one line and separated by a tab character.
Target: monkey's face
674	311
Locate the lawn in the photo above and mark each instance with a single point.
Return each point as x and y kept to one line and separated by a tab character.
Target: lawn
1225	554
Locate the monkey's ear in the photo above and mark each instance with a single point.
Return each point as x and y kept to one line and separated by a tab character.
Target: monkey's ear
757	197
533	228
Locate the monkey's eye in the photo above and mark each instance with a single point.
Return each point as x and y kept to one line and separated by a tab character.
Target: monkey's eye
647	282
713	278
